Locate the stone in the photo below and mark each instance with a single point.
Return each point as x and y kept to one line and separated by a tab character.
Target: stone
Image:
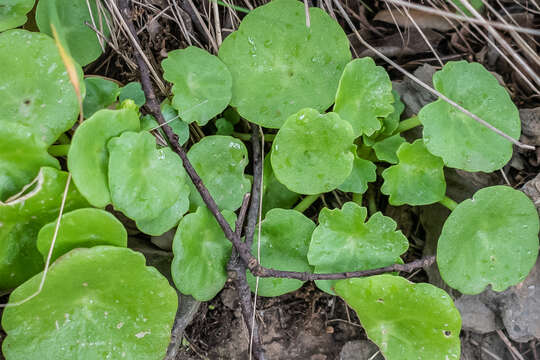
360	350
475	315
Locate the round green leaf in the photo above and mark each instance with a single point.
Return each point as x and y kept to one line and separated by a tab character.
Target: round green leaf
169	217
201	252
98	303
202	83
133	91
275	195
100	94
363	171
386	149
285	237
462	142
275	75
224	127
179	127
13	13
69	18
364	96
220	162
23	216
22	154
418	178
405	320
344	242
391	122
313	153
144	181
43	99
82	228
489	239
88	156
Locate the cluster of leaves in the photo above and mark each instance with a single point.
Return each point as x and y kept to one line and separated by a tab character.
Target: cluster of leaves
100	298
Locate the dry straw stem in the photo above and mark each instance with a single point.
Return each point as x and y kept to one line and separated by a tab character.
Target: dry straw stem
450	15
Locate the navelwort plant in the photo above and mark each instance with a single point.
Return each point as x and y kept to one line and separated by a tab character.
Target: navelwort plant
333	123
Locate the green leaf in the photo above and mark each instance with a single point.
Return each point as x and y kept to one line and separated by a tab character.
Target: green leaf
180	128
133	91
201	83
418	178
274	75
168	218
491	239
285	237
220	162
100	94
97	303
23	216
364	96
144	181
224	127
386	149
391	122
363	171
344	242
13	13
462	142
88	157
43	99
22	154
201	252
69	18
313	153
275	194
477	4
82	228
405	320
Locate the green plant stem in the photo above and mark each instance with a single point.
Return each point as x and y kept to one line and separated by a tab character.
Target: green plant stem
449	203
306	202
372	205
247	137
59	150
408	124
357	198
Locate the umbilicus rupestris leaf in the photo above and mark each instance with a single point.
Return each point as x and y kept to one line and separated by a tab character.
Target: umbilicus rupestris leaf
201	252
274	75
364	96
405	320
275	194
458	139
69	18
362	173
312	152
97	303
343	241
100	94
417	179
81	228
489	239
23	216
13	13
88	157
220	161
22	154
144	181
201	83
43	99
285	237
386	149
